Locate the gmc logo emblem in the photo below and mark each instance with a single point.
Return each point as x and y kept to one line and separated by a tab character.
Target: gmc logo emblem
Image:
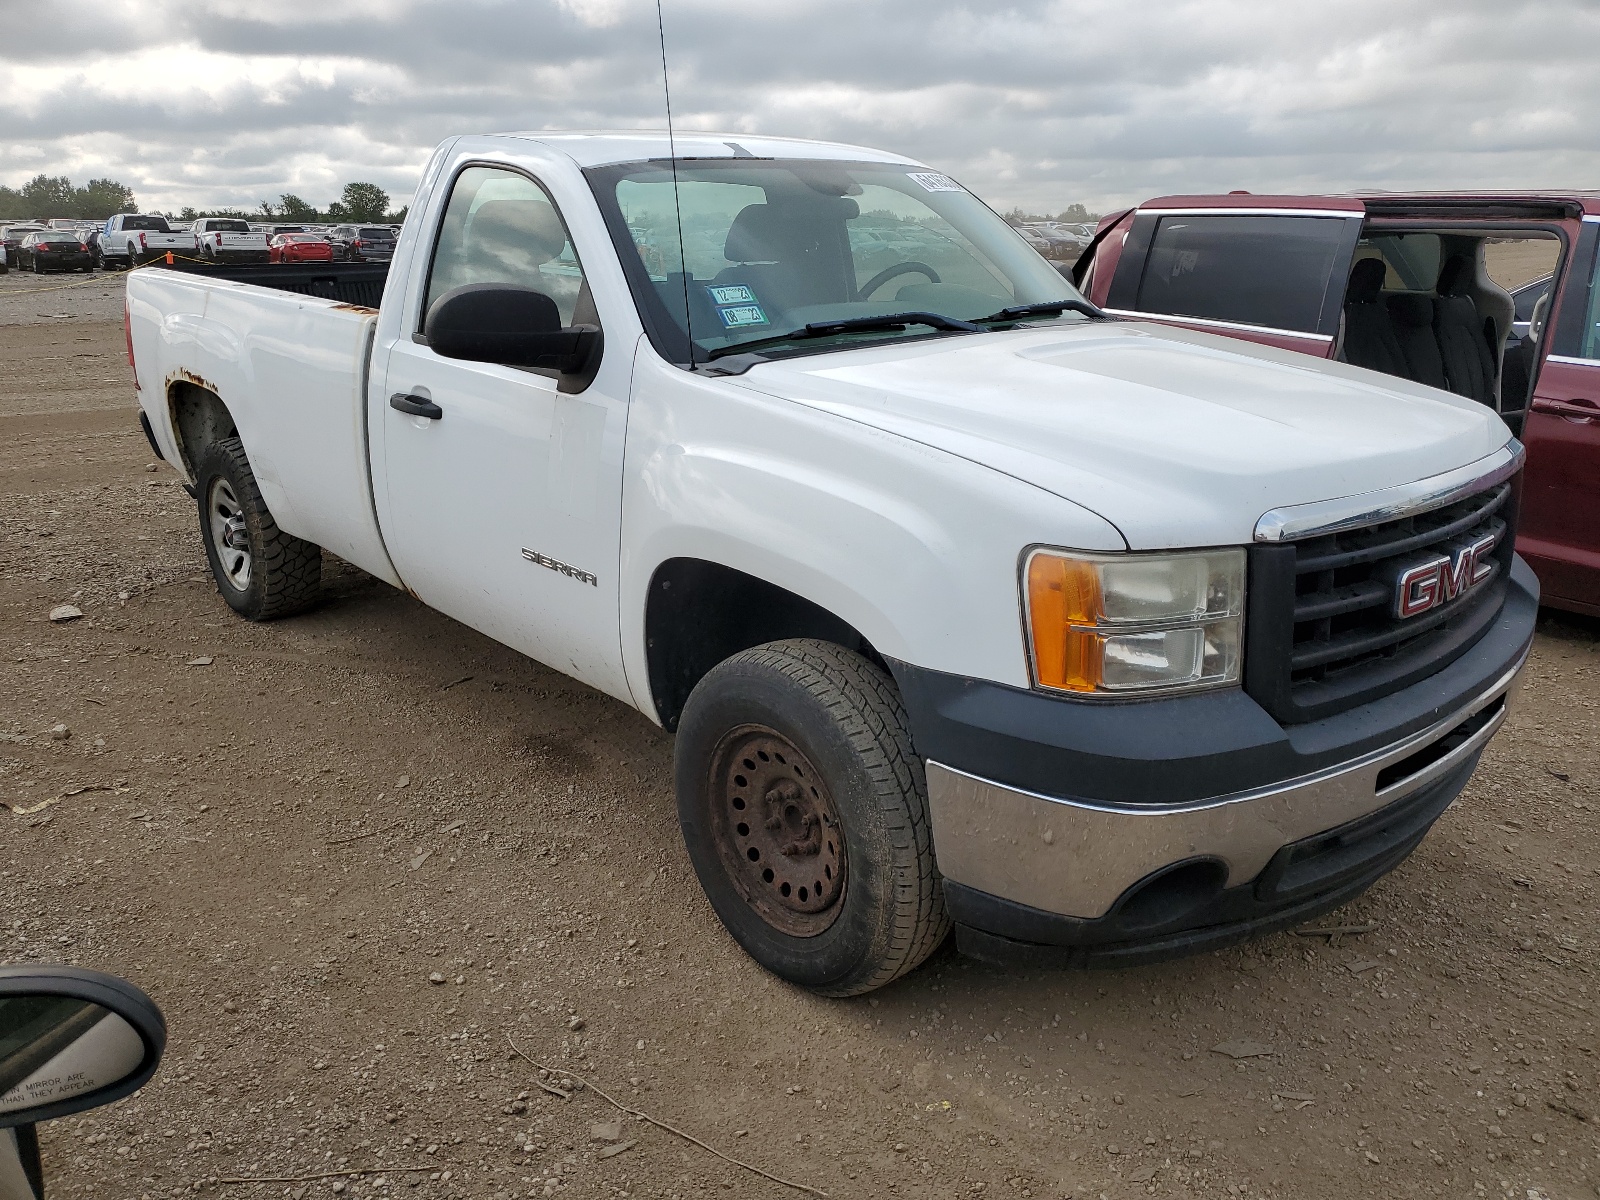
1440	580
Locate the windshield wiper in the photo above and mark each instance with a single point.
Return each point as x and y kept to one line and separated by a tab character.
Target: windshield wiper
1049	308
888	321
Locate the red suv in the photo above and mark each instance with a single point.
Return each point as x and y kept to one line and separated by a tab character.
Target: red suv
1494	297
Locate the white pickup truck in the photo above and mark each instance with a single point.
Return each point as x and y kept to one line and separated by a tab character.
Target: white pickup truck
1102	641
229	240
129	239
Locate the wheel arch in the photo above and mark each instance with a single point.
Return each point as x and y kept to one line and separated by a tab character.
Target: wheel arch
198	418
699	612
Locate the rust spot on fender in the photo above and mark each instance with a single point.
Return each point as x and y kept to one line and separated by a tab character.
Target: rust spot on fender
355	308
181	375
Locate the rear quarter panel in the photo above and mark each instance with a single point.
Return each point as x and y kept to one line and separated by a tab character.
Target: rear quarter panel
291	370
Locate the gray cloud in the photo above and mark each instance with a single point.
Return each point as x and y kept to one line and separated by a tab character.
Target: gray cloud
1032	102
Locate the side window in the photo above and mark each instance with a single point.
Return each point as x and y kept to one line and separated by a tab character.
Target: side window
1270	271
1590	346
501	227
1411	261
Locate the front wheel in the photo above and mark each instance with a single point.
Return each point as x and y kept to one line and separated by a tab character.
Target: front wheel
804	809
261	571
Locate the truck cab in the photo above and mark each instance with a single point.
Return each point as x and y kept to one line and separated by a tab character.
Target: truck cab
1492	297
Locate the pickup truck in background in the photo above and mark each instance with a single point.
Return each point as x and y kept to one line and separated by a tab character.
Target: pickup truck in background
1493	297
129	239
1101	640
229	240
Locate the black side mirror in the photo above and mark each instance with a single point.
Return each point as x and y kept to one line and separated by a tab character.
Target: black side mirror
509	325
70	1040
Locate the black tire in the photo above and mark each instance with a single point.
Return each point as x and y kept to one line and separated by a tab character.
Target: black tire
843	715
283	573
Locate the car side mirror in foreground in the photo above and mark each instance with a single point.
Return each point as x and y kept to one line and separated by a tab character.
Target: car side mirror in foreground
70	1040
509	325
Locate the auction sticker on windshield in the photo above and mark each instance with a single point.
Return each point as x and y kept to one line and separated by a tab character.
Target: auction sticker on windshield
742	315
738	294
736	306
932	181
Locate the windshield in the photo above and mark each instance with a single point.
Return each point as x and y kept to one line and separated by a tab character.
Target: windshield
150	224
216	226
772	245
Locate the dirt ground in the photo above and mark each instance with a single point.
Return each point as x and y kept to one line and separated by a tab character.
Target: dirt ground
354	854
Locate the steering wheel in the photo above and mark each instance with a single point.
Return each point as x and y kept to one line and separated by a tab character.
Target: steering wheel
894	272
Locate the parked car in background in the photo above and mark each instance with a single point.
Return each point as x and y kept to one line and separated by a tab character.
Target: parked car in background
129	239
362	243
91	238
1054	241
299	247
965	604
229	240
1405	285
13	235
54	250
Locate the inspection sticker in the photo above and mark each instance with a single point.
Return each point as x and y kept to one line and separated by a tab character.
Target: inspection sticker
932	181
738	316
732	295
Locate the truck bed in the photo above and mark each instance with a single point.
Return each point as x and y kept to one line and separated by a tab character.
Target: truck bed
288	358
348	283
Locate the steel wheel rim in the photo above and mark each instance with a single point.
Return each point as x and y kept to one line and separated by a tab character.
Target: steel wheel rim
229	534
777	831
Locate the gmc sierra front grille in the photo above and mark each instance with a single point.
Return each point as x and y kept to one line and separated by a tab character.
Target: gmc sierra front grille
1326	630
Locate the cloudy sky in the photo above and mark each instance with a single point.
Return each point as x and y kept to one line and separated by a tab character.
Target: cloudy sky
1038	104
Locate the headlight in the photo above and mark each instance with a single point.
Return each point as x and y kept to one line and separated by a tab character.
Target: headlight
1129	623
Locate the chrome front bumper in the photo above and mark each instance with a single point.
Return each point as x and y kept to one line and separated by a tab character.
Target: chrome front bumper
1076	859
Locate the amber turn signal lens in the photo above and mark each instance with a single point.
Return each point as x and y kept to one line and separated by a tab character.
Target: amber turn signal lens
1063	595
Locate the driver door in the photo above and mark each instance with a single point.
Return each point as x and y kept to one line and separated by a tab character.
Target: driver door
502	507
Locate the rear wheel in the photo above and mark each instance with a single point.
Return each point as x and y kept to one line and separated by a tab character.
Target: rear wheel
261	571
804	810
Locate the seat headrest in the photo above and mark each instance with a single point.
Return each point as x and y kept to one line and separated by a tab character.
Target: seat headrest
756	235
764	233
1411	309
1455	275
1366	281
527	225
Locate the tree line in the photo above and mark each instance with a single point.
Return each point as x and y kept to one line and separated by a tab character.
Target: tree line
46	196
55	196
1073	214
357	203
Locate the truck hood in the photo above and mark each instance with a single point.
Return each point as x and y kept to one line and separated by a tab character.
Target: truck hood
1177	438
